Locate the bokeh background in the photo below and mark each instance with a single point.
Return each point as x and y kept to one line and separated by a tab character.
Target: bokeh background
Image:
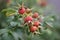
56	8
53	7
56	4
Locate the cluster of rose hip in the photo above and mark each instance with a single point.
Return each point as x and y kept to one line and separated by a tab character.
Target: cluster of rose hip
31	18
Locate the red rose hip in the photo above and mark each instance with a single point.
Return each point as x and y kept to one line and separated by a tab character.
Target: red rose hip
8	1
28	18
43	4
36	23
35	15
21	10
33	29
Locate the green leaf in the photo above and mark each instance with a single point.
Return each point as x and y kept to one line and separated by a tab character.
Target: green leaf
2	31
6	36
15	35
9	10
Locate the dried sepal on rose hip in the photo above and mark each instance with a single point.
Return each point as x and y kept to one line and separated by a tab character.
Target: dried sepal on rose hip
28	18
29	23
35	15
36	32
21	10
33	28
